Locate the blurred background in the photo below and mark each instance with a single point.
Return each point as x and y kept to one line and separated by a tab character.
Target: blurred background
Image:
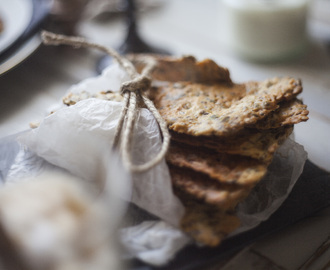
254	39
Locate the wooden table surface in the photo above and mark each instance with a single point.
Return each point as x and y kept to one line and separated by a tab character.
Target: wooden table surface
190	27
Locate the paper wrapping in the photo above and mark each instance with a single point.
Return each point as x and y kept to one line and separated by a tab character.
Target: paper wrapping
274	188
56	140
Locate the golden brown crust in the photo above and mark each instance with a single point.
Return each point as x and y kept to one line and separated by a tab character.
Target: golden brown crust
206	223
206	189
186	68
225	168
259	144
187	108
289	113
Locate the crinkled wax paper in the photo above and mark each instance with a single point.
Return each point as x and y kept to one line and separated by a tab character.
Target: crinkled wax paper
151	240
273	189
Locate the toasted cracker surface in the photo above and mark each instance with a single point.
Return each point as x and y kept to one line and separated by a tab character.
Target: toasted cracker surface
259	144
205	189
289	113
225	168
207	224
188	109
186	68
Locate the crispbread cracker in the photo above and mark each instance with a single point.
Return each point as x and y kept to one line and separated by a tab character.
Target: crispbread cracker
289	113
206	189
186	68
188	109
207	224
259	144
225	168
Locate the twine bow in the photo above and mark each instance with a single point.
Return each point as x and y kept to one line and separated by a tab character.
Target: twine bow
132	92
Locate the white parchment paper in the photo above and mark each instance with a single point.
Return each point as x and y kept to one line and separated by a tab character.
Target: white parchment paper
57	142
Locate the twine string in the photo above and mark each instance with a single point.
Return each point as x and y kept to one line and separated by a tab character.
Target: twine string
132	92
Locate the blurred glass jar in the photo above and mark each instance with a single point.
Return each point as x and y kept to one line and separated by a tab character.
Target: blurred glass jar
264	30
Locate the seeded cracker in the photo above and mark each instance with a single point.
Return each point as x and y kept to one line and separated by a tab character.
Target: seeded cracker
225	168
203	188
239	121
187	110
289	113
206	223
255	143
184	69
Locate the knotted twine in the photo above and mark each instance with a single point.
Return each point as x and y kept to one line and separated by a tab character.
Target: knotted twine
132	92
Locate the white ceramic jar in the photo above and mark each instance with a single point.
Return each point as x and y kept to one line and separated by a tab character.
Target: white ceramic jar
264	30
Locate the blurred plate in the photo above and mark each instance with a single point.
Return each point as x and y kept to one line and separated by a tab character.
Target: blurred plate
16	16
20	54
18	42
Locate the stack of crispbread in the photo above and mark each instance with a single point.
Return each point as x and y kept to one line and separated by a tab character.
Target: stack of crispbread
224	136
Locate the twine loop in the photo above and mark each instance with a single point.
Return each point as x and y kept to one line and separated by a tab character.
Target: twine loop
138	84
131	91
